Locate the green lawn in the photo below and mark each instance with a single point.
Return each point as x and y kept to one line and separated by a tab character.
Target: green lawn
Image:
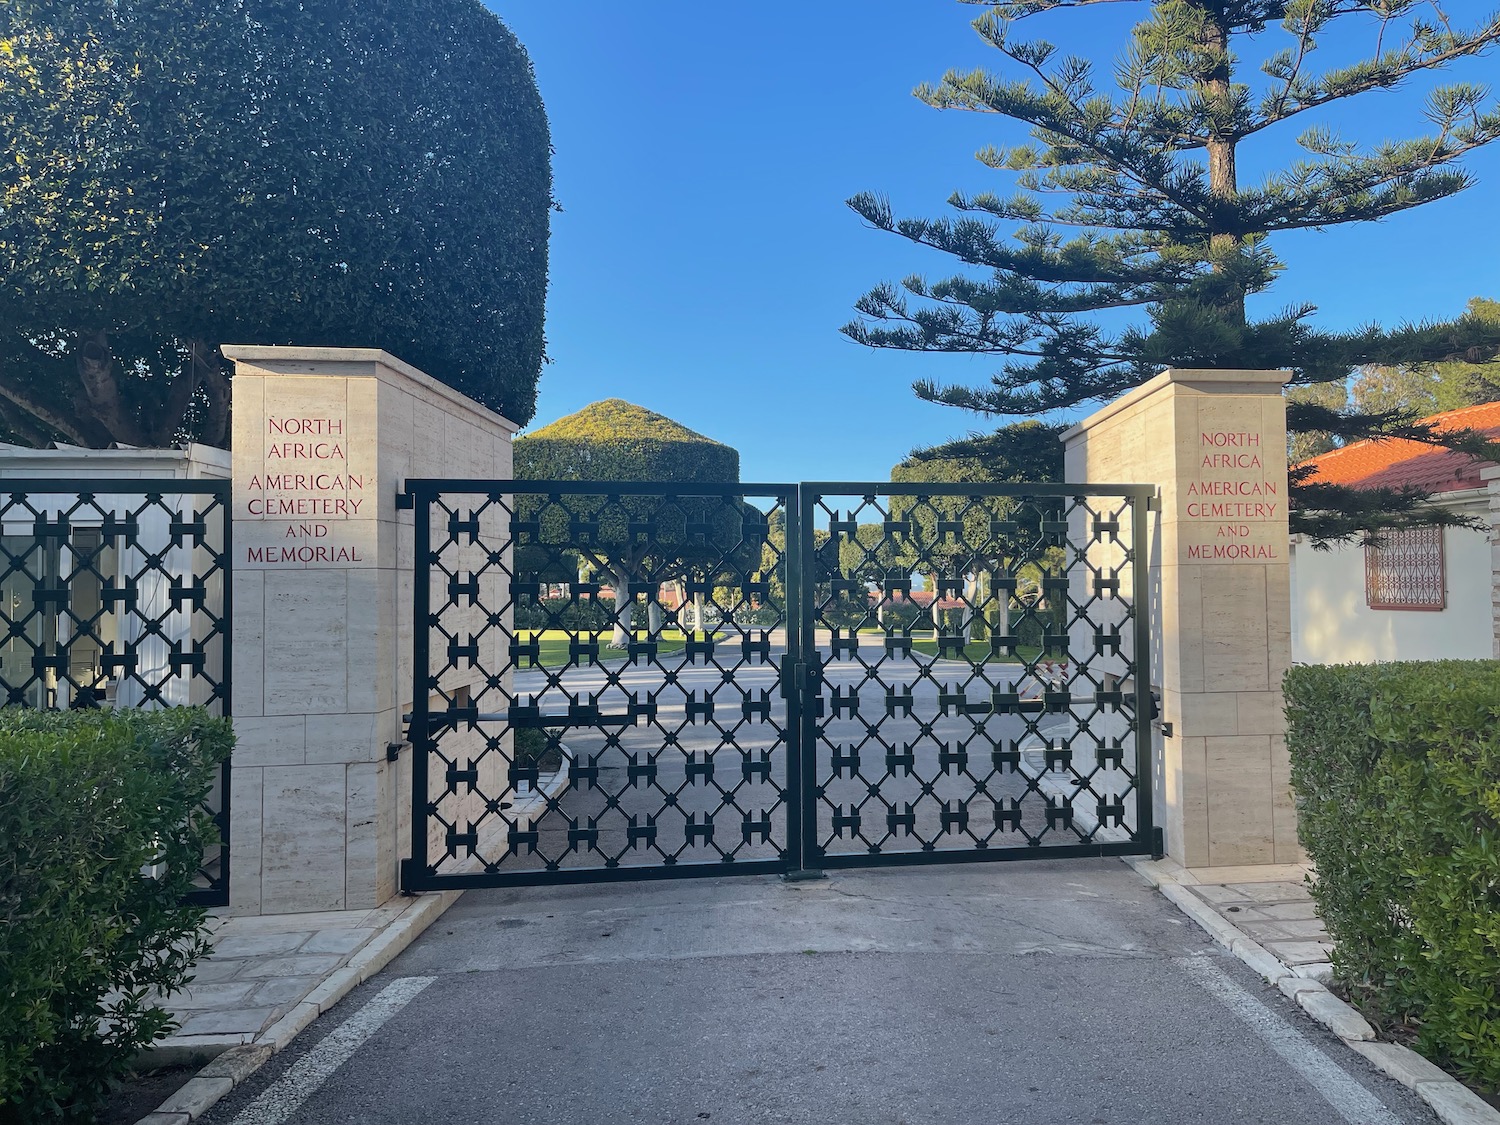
979	652
552	646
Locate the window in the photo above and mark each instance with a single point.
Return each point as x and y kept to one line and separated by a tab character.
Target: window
1406	570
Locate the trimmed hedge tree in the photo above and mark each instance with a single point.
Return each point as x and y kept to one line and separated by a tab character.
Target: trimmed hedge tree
615	440
260	172
1397	772
88	801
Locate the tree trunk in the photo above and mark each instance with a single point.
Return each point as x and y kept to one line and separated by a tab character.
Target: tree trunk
164	428
68	425
1000	619
698	613
966	607
1223	184
99	375
215	428
624	609
653	615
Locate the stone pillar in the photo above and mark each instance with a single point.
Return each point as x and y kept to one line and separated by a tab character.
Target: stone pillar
1215	444
322	567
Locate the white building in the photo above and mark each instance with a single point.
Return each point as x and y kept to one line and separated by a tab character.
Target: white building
1424	594
101	602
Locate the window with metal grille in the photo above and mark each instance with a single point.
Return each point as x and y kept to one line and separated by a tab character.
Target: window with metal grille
1406	570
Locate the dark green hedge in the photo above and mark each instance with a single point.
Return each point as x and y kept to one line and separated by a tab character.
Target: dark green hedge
564	613
88	799
1397	771
372	174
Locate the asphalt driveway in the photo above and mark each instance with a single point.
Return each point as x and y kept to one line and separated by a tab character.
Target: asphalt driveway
1045	992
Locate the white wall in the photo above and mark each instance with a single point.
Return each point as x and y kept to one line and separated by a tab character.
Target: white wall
1331	624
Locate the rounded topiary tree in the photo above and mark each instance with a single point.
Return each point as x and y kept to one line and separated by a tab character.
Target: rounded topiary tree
260	172
637	537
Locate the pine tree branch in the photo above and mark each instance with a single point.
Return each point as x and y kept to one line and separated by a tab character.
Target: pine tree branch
1013	296
1021	9
1124	259
1398	177
1331	513
1383	73
978	92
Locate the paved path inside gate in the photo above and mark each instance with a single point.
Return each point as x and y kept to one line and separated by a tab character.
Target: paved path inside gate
1013	994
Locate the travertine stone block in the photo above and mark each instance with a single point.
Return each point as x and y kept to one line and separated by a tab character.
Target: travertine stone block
1214	442
273	740
324	439
248	638
246	809
304	842
353	737
307	658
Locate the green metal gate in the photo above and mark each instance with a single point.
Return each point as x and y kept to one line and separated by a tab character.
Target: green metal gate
626	681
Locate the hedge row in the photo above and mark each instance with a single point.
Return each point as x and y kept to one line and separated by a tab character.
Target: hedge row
1397	772
90	802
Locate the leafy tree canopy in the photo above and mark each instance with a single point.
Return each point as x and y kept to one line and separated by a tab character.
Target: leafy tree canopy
1024	451
1131	199
260	171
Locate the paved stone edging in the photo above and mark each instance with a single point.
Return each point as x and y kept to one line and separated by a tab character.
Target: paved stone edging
236	1064
1452	1101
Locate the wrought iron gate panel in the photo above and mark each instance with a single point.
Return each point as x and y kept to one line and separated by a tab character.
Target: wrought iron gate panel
572	720
116	592
576	737
1017	725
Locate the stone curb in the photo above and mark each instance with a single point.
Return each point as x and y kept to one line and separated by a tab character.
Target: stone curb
233	1066
1452	1101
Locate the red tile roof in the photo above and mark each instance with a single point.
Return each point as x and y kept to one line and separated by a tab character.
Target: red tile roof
1396	463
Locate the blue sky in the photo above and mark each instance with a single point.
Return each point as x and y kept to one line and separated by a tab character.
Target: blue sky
704	259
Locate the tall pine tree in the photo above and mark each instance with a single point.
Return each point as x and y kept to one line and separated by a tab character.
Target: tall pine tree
1131	198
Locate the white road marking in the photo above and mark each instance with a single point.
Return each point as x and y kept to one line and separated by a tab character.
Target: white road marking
282	1098
1352	1101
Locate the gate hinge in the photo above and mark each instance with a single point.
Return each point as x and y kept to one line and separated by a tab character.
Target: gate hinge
1153	502
406	500
393	750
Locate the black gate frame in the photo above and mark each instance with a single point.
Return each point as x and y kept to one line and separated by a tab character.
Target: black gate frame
798	678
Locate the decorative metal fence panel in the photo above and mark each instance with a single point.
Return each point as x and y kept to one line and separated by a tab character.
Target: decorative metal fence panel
116	593
1002	711
598	681
616	681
